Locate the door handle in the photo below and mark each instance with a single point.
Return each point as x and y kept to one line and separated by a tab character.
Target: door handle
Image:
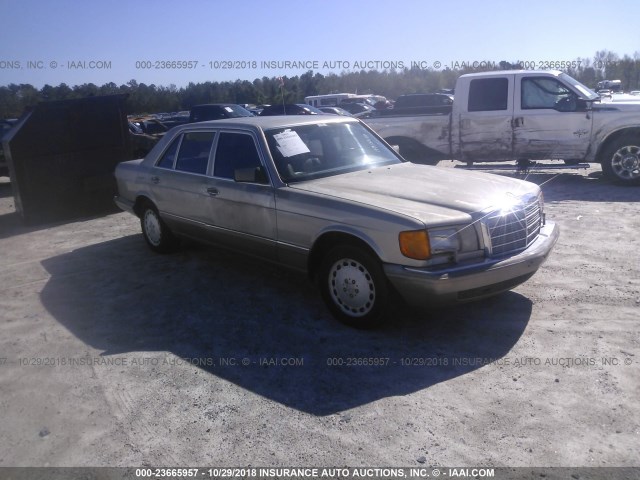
155	180
518	122
213	192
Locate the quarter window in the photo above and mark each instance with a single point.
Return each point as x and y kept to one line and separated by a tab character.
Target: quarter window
169	156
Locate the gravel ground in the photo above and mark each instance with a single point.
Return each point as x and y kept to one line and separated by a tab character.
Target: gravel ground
111	355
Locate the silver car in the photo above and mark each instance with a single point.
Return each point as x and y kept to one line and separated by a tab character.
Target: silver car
326	196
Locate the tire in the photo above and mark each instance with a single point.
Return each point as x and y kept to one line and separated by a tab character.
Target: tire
155	232
354	287
621	160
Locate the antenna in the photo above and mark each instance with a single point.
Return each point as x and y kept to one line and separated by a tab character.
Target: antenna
284	108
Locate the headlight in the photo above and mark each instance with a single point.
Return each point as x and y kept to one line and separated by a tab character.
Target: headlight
445	242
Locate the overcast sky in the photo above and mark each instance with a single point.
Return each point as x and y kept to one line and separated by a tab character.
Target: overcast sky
74	42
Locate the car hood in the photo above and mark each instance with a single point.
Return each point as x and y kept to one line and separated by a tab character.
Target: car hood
625	105
434	195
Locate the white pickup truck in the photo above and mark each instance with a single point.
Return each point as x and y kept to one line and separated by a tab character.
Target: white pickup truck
522	115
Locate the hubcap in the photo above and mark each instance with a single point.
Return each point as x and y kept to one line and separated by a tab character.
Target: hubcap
352	287
152	227
626	162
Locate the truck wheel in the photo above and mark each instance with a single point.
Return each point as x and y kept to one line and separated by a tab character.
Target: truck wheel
621	161
354	287
155	231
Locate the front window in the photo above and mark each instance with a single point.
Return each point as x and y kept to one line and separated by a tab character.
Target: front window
235	151
324	149
543	92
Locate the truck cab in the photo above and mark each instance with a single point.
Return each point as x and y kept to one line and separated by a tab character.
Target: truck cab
521	114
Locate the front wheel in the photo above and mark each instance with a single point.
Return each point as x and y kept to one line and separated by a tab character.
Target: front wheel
155	231
621	161
354	287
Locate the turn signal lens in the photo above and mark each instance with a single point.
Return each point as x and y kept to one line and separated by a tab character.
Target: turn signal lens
415	244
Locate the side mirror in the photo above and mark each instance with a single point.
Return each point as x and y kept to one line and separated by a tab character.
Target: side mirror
250	175
567	104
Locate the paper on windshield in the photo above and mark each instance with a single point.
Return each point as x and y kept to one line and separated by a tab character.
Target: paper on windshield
290	143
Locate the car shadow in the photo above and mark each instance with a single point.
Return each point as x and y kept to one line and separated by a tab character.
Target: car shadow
12	223
240	320
5	188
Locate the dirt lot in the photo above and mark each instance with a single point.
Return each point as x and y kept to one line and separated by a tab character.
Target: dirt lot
112	355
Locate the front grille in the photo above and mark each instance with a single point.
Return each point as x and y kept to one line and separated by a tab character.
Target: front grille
514	229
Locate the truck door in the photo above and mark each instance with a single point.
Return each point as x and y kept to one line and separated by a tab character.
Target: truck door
484	128
550	120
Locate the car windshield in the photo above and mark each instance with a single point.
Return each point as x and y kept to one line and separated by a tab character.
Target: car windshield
320	150
586	92
236	111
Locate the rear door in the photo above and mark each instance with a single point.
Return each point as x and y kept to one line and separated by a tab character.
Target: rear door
179	182
483	119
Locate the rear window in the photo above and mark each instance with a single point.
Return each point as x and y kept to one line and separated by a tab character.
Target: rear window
488	94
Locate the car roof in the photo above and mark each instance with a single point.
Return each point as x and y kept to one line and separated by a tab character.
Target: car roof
266	123
499	73
214	105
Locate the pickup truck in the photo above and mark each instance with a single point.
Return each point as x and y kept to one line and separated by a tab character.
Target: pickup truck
522	115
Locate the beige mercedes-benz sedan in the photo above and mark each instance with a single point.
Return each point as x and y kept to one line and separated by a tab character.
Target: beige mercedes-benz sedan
325	195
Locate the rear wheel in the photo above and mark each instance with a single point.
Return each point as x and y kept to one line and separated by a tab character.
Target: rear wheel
621	160
156	233
354	287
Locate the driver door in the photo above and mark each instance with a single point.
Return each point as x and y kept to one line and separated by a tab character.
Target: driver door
549	120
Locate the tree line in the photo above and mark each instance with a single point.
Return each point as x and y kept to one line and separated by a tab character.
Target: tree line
143	98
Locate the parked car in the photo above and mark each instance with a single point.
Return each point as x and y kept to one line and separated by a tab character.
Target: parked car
290	109
335	111
326	196
5	126
217	111
412	100
150	126
419	104
174	119
358	109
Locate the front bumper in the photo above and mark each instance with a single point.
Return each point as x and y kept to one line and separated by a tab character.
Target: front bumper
426	287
